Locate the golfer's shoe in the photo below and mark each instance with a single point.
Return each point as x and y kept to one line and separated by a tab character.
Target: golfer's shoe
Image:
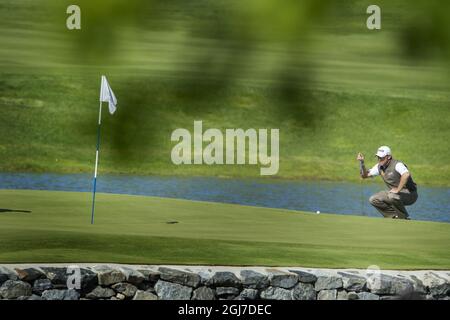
397	217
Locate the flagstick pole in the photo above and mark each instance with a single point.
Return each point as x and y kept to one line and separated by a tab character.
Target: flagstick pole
96	162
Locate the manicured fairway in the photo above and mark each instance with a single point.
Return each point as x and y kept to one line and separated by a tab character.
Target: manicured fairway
134	229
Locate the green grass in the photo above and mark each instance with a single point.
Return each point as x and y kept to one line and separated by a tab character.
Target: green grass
134	229
54	130
353	90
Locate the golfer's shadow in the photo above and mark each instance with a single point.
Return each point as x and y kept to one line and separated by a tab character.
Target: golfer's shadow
14	210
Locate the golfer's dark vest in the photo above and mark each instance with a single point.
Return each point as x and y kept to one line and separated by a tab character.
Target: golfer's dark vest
392	178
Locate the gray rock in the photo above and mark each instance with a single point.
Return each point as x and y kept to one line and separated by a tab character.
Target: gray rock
205	276
101	293
390	285
150	275
127	289
441	291
352	282
120	296
132	276
146	286
181	277
380	284
151	289
254	280
12	289
282	279
40	285
276	293
89	280
402	287
437	285
57	275
7	274
61	277
352	296
144	295
34	297
203	293
30	274
327	295
60	295
342	295
390	298
367	296
249	294
107	275
415	296
328	283
304	291
172	291
305	277
419	287
431	279
224	279
227	291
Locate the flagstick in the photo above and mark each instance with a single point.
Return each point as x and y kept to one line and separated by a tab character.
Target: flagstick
96	162
361	171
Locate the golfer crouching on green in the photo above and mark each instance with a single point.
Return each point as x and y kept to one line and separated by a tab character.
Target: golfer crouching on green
403	190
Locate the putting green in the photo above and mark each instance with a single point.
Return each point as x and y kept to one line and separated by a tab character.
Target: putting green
136	229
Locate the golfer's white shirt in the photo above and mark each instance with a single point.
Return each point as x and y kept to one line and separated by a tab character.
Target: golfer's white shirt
399	167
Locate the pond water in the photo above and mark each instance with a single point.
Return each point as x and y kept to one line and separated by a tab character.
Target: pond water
327	197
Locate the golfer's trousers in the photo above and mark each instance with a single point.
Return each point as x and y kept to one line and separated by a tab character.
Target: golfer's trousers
393	204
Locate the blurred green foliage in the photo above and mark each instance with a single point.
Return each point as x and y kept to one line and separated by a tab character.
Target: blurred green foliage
236	63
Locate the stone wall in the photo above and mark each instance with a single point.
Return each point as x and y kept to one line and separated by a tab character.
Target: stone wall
126	282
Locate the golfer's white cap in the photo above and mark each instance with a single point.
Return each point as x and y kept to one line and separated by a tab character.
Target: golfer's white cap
383	151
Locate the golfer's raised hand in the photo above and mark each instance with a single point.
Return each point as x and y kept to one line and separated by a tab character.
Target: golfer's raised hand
360	157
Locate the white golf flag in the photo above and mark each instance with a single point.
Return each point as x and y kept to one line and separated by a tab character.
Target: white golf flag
107	95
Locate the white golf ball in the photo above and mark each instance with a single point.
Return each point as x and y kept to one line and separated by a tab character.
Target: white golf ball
317	211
